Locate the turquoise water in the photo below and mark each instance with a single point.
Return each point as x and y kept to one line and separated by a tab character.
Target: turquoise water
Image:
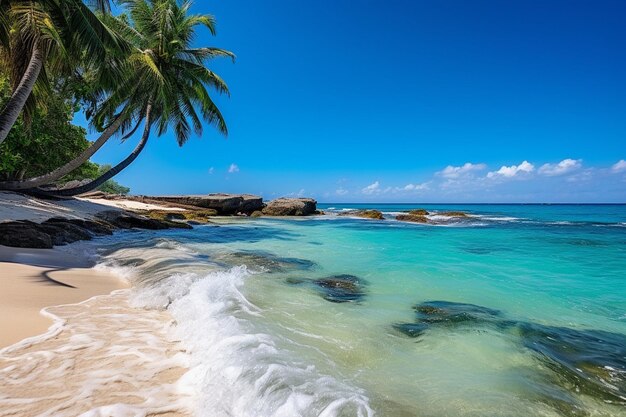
517	310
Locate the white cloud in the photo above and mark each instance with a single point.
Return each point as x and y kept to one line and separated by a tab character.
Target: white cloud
416	187
513	170
372	188
456	172
619	166
563	167
233	168
211	170
341	191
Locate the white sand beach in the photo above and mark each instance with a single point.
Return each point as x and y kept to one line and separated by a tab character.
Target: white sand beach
70	343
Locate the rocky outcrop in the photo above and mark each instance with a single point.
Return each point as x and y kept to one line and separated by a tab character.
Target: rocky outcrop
453	214
223	204
52	232
291	207
415	218
365	214
61	231
442	217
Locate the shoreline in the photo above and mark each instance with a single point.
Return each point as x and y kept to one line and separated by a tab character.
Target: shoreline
34	279
71	343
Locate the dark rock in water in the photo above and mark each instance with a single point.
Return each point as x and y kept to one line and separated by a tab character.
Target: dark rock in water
446	312
257	213
419	212
265	261
341	288
414	218
24	234
453	214
365	214
592	362
296	281
411	329
291	207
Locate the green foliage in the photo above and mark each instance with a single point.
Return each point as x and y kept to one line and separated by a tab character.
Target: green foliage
48	142
111	186
68	33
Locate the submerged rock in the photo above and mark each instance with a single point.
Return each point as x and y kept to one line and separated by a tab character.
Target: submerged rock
341	288
265	261
446	312
592	362
411	329
291	207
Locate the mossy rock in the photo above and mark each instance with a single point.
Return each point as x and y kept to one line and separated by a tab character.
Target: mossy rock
257	213
179	216
453	214
370	214
415	218
200	215
419	212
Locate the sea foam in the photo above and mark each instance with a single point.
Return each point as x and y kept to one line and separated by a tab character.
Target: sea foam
236	369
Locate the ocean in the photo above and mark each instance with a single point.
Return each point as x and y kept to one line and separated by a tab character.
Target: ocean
516	310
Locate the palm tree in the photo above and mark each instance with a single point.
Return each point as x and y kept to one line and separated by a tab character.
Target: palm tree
58	31
166	80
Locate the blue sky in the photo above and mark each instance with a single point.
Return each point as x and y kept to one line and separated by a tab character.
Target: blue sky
407	101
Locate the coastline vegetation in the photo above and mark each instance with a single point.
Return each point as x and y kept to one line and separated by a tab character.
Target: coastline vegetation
135	71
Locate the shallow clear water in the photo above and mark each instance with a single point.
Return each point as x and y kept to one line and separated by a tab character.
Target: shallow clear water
268	337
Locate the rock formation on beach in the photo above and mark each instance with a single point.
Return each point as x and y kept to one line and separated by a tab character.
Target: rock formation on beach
223	204
290	207
60	231
52	223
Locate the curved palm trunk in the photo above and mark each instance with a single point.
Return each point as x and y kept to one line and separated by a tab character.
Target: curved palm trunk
67	168
113	171
15	104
